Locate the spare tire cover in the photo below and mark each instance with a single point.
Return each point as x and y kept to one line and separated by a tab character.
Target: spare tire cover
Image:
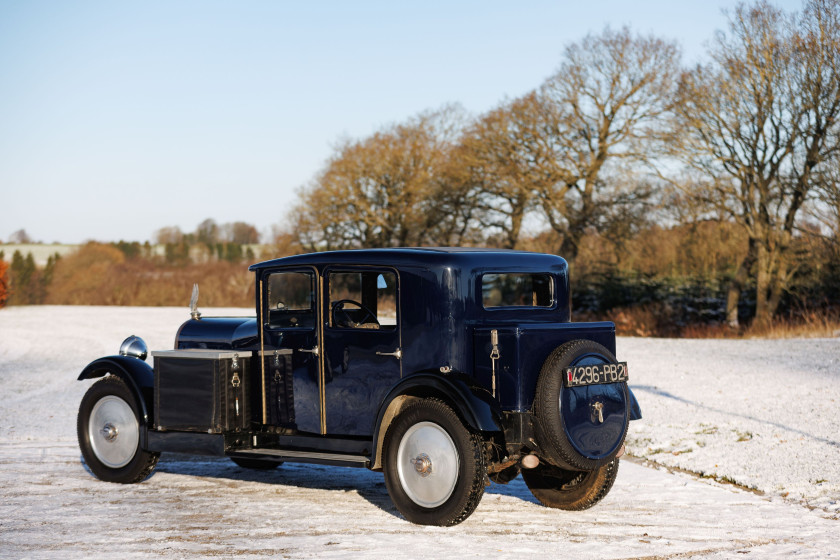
580	427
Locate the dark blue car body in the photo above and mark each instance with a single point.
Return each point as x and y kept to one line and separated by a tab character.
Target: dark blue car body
325	374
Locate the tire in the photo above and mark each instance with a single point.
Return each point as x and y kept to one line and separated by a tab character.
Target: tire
570	490
568	433
256	464
108	427
434	466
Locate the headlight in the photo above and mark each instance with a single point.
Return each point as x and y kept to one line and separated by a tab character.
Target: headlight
135	347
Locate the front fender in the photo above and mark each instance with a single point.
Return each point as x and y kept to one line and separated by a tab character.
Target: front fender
137	374
474	404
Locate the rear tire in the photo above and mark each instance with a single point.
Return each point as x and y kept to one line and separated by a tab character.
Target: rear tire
570	490
108	427
434	467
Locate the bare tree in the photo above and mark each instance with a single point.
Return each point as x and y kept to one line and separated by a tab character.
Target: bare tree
239	232
761	121
825	211
20	237
501	163
168	234
602	110
382	191
207	232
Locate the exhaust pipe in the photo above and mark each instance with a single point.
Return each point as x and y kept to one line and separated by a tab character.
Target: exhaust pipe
530	461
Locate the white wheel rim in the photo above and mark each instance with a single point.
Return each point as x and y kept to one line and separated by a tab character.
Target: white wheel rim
427	464
113	432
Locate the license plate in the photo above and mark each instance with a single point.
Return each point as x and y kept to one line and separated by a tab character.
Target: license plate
579	376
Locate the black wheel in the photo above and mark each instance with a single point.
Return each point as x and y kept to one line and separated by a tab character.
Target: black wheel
571	490
258	464
434	467
579	427
108	427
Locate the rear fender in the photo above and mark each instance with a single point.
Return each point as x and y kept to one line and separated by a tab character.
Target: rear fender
474	404
137	374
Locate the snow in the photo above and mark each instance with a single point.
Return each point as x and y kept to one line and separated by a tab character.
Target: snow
760	414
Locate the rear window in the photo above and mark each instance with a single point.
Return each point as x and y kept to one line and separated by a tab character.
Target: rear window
517	290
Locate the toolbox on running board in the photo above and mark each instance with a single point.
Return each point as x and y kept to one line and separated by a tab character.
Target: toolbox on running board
201	390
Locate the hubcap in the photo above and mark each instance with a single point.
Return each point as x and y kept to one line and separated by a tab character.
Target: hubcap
113	432
110	432
423	465
427	464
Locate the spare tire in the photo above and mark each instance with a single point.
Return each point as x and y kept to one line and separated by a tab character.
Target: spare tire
573	430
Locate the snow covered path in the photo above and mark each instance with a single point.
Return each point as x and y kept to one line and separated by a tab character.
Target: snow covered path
52	508
764	416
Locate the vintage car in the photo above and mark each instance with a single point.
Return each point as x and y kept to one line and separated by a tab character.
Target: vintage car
443	368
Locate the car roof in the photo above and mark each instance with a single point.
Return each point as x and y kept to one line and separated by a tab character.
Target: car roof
462	257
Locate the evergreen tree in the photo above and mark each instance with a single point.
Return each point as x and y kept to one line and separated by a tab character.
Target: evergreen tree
24	277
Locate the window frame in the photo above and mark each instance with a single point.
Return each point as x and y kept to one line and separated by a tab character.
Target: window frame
552	285
313	299
359	269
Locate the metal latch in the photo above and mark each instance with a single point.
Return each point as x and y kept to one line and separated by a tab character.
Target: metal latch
235	381
277	376
494	355
598	412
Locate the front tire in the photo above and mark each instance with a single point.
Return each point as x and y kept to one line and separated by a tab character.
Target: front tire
570	490
108	427
434	467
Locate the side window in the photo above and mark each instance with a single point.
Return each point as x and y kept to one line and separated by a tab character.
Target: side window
517	290
363	300
291	299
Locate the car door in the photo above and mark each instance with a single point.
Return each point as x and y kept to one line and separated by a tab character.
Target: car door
290	384
362	345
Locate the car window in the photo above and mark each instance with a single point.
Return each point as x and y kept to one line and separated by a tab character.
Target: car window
291	299
363	300
517	290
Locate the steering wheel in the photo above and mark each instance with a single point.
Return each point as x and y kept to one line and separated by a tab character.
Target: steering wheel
341	318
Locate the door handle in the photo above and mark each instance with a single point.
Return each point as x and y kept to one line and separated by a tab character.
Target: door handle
397	354
314	350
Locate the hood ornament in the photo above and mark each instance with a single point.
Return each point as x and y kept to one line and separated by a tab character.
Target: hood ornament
194	314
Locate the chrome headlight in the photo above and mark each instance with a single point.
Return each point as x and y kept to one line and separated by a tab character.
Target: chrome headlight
135	347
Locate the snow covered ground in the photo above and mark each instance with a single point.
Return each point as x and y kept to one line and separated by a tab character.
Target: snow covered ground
761	414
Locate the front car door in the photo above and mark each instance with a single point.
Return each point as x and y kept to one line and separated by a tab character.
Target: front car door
362	346
291	355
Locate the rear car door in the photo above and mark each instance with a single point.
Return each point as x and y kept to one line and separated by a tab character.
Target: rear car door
362	345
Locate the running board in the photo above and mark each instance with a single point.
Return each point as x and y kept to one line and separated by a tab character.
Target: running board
291	456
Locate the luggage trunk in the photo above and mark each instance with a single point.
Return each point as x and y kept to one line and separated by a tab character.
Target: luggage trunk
204	391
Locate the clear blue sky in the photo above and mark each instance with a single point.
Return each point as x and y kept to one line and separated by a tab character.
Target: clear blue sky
119	118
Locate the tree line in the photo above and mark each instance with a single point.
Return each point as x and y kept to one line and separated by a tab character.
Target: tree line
738	155
701	194
133	273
